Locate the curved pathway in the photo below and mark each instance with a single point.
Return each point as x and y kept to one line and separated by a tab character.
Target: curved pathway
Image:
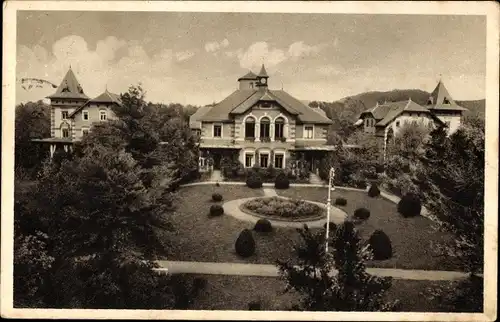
232	208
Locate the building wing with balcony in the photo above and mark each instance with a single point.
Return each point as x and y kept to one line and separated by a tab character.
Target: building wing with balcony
261	126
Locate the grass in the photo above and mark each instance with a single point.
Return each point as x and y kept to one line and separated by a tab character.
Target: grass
235	292
412	238
199	238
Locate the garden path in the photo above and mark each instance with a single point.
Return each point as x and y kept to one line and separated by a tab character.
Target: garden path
268	192
216	176
315	179
268	270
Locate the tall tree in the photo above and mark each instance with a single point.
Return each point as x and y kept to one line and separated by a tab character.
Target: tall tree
351	289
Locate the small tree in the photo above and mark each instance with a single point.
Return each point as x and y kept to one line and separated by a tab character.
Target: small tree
352	289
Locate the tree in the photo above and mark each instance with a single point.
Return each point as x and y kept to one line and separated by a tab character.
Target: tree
32	122
451	181
351	289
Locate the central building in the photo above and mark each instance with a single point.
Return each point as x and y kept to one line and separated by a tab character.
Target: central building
261	127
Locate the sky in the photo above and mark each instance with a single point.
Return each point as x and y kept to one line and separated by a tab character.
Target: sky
196	58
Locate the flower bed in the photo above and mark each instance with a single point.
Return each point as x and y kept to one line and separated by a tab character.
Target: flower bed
283	209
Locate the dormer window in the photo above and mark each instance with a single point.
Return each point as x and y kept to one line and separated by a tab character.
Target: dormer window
446	101
429	102
265	105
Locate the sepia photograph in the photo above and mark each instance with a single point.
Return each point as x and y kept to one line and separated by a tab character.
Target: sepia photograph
250	160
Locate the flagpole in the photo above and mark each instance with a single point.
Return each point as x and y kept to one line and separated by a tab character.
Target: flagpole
331	175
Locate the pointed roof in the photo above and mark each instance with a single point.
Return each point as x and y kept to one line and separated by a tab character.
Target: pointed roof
69	88
441	99
107	98
263	72
248	76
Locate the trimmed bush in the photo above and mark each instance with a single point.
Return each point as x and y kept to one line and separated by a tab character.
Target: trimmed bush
282	181
263	226
362	213
245	244
216	210
217	184
381	245
374	191
216	197
409	205
254	180
340	201
333	226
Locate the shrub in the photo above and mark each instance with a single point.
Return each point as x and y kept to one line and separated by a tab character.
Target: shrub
254	180
340	201
216	197
374	191
217	184
362	213
409	205
381	245
263	226
216	210
333	226
281	181
245	244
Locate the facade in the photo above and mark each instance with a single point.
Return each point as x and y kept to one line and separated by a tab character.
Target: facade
73	113
385	120
261	127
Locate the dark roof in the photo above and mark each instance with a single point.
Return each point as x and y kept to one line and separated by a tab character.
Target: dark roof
248	76
387	112
194	120
263	72
241	101
69	88
438	96
106	97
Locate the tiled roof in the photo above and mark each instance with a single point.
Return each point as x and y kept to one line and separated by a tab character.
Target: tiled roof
248	76
241	101
438	96
106	97
396	108
69	88
194	120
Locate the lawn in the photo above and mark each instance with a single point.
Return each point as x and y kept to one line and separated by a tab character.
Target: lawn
199	238
235	292
412	238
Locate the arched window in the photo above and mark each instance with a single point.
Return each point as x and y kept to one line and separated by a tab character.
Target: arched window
279	126
265	124
250	128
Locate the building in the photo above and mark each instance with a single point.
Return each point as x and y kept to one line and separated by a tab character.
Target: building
260	126
385	120
73	113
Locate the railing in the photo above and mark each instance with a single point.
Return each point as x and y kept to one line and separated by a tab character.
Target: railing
250	138
265	139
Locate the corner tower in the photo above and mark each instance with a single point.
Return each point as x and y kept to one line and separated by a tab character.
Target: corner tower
67	98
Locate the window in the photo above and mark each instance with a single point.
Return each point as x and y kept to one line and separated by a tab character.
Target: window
278	128
397	123
85	115
217	131
248	160
264	128
64	115
250	128
85	131
278	161
65	133
429	102
308	131
102	115
265	105
264	160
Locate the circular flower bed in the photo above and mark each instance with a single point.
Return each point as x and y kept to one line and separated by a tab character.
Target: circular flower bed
284	209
